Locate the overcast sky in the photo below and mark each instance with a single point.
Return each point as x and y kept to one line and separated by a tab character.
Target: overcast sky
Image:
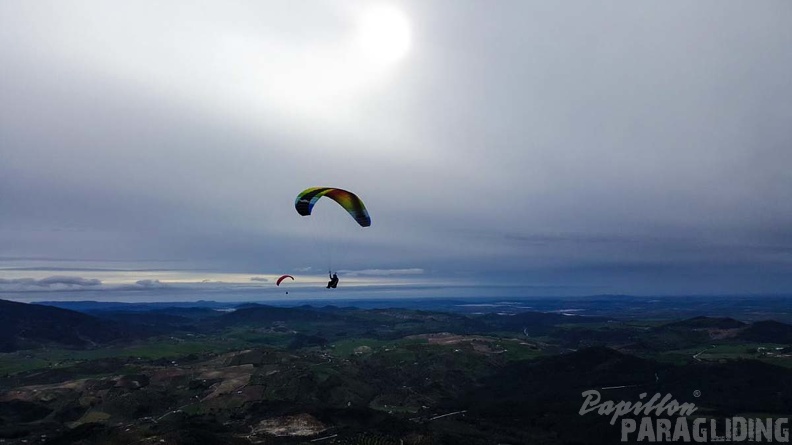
561	148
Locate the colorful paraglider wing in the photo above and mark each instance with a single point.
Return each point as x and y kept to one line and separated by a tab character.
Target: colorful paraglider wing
277	283
348	200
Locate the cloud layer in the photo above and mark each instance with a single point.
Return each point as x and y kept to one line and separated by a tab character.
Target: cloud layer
631	147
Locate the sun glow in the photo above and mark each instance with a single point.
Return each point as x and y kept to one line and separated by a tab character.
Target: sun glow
384	33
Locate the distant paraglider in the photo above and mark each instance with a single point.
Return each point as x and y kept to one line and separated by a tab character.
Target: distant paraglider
283	277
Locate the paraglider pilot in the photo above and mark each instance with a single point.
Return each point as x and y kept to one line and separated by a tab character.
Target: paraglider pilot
333	281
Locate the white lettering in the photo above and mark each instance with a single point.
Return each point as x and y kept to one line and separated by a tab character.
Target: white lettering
628	426
699	433
739	429
649	405
681	430
764	430
714	432
661	407
663	430
781	434
687	409
646	432
606	408
593	402
590	401
622	408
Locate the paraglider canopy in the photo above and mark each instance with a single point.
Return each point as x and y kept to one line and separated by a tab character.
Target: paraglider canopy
277	283
348	200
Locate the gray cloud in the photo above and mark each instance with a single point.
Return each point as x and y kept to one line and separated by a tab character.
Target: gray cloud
258	279
516	141
52	281
151	284
382	272
69	281
48	283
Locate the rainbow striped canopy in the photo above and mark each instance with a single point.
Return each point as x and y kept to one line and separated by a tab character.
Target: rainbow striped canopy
348	200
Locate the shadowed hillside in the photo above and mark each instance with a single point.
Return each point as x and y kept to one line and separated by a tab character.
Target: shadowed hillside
25	326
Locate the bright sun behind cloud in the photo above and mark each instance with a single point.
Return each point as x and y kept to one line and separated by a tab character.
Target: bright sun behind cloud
323	71
384	33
